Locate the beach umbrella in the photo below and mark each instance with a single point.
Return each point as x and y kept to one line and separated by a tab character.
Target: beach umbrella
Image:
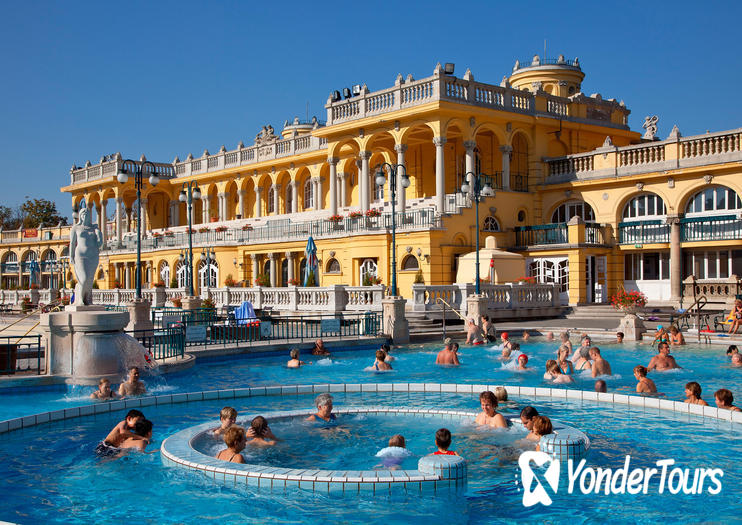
311	253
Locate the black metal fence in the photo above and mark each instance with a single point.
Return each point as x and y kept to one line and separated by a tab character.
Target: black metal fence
21	355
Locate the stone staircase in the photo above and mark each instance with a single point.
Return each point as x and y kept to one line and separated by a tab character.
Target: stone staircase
422	328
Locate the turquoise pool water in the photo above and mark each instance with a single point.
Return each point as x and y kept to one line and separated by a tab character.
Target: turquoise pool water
49	473
415	363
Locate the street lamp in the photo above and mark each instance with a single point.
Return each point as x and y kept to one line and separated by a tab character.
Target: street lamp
393	169
482	187
131	167
193	192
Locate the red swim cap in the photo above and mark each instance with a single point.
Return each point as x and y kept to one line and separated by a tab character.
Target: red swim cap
504	335
524	357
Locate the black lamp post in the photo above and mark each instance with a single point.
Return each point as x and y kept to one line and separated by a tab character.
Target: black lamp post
189	192
393	169
482	187
138	169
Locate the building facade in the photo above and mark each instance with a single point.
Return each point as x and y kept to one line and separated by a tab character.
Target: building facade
591	204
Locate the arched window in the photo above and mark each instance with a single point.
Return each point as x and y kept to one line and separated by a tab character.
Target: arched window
181	273
302	269
368	271
48	260
716	200
10	257
65	252
165	273
308	194
378	191
490	224
208	274
569	209
645	206
271	200
29	256
410	263
333	266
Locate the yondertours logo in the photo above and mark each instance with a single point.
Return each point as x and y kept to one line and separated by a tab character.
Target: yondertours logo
540	475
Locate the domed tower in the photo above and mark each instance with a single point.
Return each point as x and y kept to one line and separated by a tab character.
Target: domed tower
560	77
297	128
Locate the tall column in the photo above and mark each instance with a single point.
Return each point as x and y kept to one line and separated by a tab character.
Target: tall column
128	220
290	259
363	182
401	197
104	214
127	279
221	208
255	267
243	211
259	201
506	151
343	199
676	258
119	203
320	204
470	164
272	266
333	162
294	197
440	174
145	216
276	200
204	208
117	272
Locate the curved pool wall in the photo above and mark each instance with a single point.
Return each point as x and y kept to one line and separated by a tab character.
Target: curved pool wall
631	403
433	473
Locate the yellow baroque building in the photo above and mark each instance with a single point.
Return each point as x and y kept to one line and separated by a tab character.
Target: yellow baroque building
590	204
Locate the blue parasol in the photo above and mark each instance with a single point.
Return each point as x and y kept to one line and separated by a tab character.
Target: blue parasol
34	269
311	252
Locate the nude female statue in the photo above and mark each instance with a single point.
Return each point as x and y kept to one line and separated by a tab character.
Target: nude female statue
85	242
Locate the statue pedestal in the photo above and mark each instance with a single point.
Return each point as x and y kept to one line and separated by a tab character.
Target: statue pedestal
191	303
632	327
85	343
394	320
476	307
139	317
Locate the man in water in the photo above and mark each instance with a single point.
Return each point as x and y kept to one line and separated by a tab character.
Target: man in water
663	360
644	385
447	356
132	386
601	367
489	416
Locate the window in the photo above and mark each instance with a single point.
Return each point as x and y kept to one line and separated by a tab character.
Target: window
519	156
272	200
712	265
368	271
647	266
289	198
181	273
644	206
715	199
333	266
550	271
11	257
570	209
165	273
308	194
208	274
491	224
410	263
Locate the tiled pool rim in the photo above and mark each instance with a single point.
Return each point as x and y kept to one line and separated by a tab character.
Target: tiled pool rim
433	473
637	403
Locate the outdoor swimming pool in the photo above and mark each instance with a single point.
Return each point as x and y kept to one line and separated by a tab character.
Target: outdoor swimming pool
50	473
414	363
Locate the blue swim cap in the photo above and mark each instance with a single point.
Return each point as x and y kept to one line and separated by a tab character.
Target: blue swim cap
659	327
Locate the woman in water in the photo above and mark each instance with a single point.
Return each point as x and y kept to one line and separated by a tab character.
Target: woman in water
235	440
736	316
676	336
380	364
323	402
583	361
565	365
554	373
262	435
294	362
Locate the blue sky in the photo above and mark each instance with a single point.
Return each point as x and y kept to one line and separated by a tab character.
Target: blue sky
84	79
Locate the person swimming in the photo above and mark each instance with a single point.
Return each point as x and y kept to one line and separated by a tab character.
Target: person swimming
663	360
294	362
380	364
489	416
393	455
324	414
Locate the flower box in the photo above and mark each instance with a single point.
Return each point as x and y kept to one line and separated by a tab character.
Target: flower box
203	230
335	218
246	228
373	213
355	214
220	229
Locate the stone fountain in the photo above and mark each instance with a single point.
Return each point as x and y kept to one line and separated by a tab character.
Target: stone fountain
86	342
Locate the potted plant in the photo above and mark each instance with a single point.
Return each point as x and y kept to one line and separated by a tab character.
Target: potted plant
355	215
335	218
159	284
263	279
246	228
419	279
208	304
174	282
25	304
33	286
177	302
527	280
203	229
65	300
168	233
628	302
373	212
117	284
229	281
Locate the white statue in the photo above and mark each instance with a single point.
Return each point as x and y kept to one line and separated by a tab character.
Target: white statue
85	242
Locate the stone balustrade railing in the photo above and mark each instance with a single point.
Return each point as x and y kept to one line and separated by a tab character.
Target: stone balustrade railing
499	296
33	235
673	153
441	87
720	293
109	167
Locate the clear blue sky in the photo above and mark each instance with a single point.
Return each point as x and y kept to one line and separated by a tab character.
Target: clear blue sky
84	79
